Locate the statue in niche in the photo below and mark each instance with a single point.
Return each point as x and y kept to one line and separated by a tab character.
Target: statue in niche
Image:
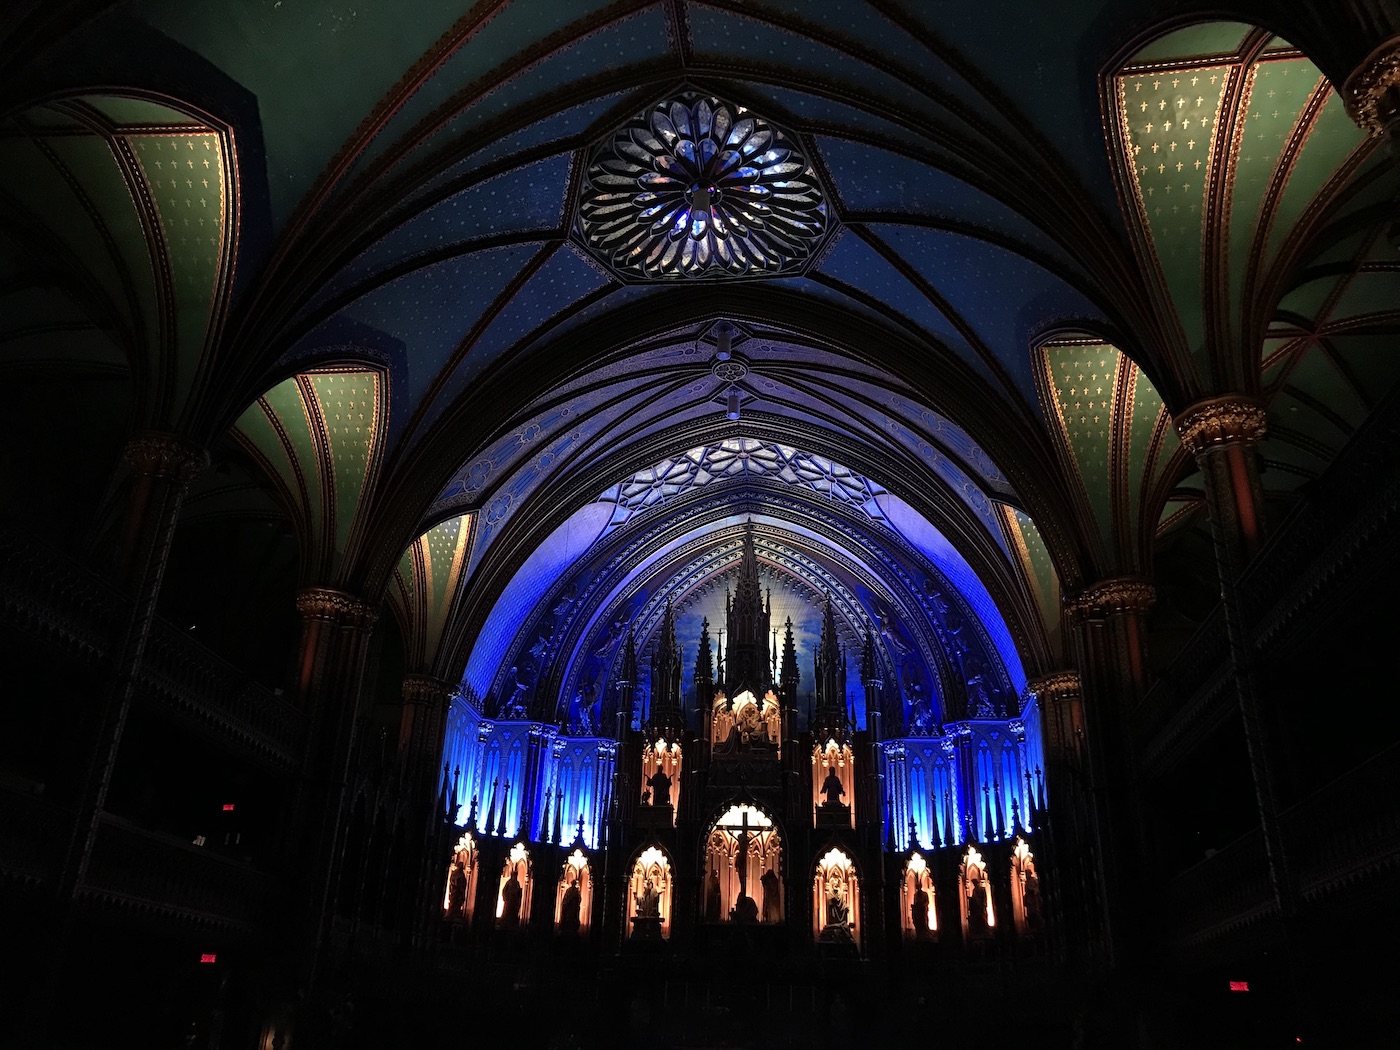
745	910
660	784
457	890
977	895
918	914
1030	899
713	904
836	911
772	909
833	789
648	902
511	896
569	907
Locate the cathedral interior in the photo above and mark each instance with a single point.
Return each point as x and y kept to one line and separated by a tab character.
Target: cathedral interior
699	523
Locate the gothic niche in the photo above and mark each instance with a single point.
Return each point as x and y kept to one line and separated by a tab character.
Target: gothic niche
836	900
513	894
460	891
743	858
745	725
978	915
833	785
661	772
649	896
919	901
1026	910
573	898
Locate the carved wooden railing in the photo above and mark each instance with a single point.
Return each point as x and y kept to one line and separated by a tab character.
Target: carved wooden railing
138	870
195	684
31	832
1335	838
47	594
1186	696
55	597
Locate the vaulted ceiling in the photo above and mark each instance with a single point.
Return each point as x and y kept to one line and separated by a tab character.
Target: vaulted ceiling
466	290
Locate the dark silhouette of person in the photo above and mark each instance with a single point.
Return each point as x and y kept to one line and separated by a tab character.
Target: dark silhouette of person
511	896
569	908
772	909
456	891
977	906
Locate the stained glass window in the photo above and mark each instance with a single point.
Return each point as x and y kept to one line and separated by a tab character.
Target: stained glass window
698	186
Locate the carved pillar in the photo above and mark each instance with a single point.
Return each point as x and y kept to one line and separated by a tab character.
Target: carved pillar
336	629
1068	834
1372	92
425	706
162	467
1105	623
1223	434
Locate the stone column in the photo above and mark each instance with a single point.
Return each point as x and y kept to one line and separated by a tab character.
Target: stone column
1223	434
1105	622
1372	92
425	705
336	629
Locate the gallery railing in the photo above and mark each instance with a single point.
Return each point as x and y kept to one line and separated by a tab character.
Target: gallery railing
1335	838
48	594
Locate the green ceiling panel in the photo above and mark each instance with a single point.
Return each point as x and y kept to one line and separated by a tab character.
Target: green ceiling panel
89	160
258	429
348	403
1145	464
1167	121
1332	138
284	402
1035	560
1373	360
1279	89
1307	299
1375	292
1082	379
186	176
1319	376
445	548
1207	38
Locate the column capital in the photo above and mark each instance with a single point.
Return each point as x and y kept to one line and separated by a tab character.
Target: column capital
424	689
1057	685
1231	419
1372	91
165	456
326	603
1118	594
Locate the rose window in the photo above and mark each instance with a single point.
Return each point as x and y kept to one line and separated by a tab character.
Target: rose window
698	186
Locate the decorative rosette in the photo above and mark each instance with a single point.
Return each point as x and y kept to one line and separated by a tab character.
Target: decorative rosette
698	185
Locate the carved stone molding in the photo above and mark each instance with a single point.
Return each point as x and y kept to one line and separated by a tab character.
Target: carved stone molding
424	689
1372	92
1053	687
1219	421
1120	594
326	603
165	456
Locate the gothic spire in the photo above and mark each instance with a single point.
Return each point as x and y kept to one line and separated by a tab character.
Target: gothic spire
831	678
666	716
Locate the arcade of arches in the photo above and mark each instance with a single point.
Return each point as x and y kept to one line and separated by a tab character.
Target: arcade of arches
698	523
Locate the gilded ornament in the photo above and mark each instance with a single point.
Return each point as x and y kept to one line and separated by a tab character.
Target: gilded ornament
165	456
1120	594
1370	93
1221	421
325	603
1056	686
423	689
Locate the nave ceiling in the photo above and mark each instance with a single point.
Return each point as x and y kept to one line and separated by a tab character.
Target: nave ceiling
346	247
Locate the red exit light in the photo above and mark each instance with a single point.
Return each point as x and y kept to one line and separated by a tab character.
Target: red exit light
1239	986
208	957
228	807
